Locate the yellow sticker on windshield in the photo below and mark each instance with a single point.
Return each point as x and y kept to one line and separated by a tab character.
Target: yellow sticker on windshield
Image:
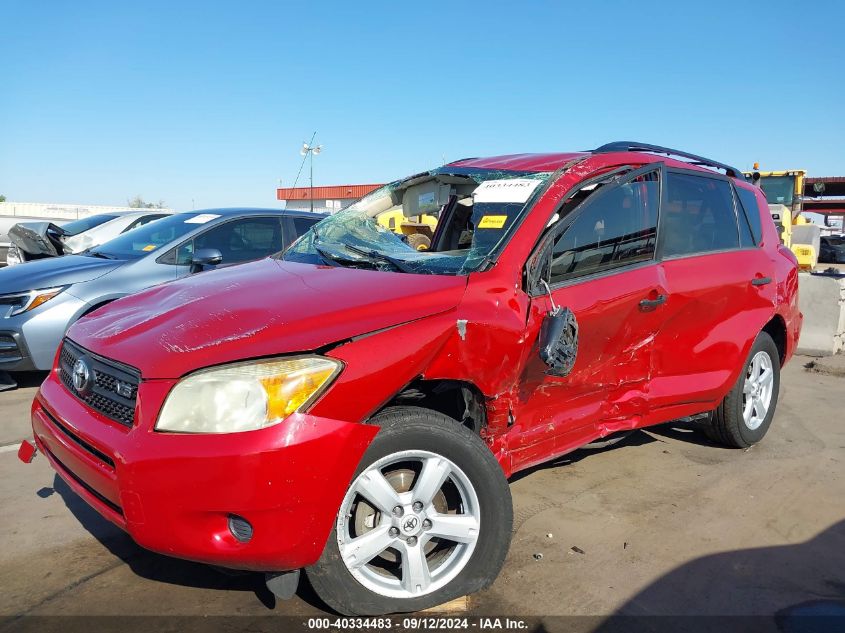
149	247
492	221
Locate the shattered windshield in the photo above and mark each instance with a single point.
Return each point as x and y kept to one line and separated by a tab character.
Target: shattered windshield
448	221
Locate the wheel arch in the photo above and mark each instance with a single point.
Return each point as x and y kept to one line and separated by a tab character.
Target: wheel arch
457	399
776	328
95	306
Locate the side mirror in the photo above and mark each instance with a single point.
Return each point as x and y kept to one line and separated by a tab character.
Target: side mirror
559	341
205	257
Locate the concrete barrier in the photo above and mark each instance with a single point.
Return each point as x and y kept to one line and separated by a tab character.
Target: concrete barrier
822	301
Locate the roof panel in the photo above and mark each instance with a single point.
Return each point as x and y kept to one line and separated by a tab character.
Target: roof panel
522	162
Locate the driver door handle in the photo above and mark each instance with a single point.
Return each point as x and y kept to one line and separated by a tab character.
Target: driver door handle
651	304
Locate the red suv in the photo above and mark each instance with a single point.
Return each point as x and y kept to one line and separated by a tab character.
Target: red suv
355	406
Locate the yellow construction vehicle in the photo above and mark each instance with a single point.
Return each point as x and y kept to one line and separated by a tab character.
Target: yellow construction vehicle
784	192
419	229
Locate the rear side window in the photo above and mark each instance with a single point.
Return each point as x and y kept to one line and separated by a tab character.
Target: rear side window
698	216
748	204
301	226
613	228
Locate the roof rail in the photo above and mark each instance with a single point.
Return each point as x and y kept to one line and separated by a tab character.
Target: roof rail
633	146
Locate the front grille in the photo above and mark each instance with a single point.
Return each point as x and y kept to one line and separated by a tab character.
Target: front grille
114	388
9	348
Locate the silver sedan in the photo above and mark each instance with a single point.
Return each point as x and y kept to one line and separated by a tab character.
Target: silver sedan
40	299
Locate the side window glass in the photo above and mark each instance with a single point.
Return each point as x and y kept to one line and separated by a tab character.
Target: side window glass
699	216
242	240
746	239
301	226
184	253
615	228
748	204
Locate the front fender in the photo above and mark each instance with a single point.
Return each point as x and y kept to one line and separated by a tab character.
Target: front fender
379	364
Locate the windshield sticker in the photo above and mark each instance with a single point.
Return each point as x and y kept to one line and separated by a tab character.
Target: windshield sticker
149	247
492	221
202	218
511	190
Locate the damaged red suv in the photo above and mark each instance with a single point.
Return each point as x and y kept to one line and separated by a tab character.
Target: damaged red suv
354	407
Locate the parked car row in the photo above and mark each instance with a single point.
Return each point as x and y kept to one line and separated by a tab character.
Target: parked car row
37	240
353	406
39	300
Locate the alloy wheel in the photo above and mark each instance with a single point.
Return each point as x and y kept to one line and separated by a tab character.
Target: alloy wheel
757	390
408	524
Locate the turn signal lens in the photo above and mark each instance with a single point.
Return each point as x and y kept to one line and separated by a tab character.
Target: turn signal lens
43	298
286	393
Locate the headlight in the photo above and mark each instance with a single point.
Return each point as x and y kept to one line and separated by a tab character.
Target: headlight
245	396
25	301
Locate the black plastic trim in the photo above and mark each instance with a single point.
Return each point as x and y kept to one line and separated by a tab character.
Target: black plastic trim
79	441
64	470
634	146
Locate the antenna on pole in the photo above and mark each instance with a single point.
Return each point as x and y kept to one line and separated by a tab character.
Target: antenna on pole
309	150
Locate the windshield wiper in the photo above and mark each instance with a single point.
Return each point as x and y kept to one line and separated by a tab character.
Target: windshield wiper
397	263
328	256
369	257
91	253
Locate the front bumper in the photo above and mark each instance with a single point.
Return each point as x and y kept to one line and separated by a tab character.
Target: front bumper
173	493
14	355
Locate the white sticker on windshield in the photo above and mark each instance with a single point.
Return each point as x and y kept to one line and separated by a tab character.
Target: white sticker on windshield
202	218
512	190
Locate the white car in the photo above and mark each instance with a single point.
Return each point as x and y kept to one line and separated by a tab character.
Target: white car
36	240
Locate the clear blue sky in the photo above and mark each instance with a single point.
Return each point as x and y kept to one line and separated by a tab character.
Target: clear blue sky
210	101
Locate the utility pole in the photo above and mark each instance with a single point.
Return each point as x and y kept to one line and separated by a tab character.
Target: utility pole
309	149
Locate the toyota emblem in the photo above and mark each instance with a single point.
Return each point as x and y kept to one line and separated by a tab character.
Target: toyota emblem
81	376
410	524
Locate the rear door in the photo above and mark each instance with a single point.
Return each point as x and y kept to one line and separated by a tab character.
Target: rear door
603	269
720	290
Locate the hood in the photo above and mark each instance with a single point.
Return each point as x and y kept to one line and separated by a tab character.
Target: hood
54	271
264	308
37	238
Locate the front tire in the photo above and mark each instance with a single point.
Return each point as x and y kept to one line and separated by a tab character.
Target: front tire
746	413
427	518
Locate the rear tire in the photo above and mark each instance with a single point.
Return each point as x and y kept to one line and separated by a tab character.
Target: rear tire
447	483
746	413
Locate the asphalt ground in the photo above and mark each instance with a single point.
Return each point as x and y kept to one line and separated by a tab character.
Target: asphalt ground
662	523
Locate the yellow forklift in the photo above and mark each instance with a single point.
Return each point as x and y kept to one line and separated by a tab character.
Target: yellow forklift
784	193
